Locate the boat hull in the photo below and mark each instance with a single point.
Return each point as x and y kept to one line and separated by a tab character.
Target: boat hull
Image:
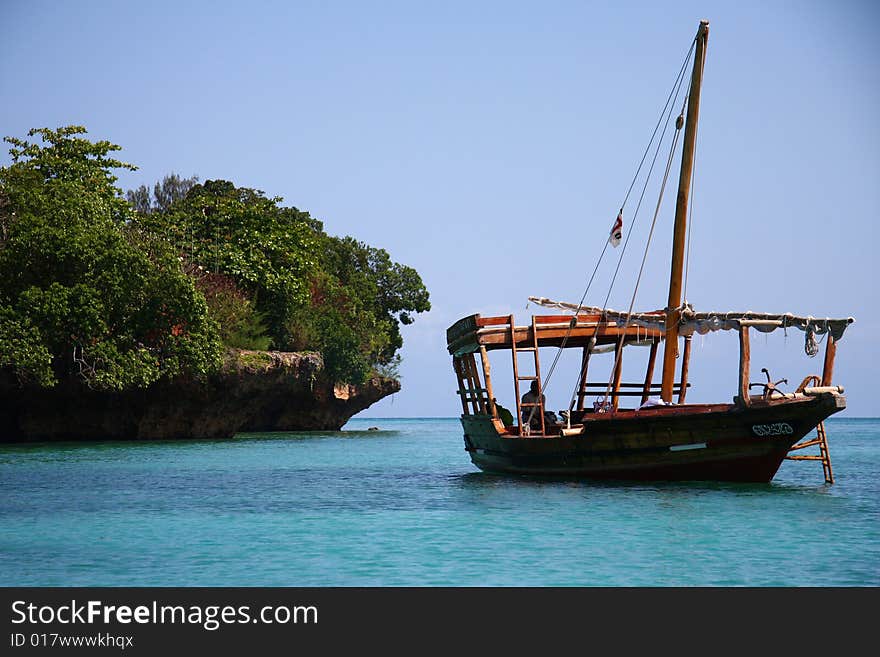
694	442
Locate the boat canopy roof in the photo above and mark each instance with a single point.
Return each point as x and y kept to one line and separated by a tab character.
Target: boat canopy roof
702	323
601	328
471	333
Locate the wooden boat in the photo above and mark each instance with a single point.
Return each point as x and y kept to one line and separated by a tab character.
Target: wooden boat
745	441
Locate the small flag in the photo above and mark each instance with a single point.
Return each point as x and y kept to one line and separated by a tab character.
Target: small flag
617	230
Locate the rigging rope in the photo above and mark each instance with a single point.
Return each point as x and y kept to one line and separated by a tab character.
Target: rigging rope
667	113
676	84
618	352
673	93
677	90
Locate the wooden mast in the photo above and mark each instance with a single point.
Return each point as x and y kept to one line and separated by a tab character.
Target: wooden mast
673	314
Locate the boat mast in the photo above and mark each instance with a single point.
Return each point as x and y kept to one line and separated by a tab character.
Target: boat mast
673	314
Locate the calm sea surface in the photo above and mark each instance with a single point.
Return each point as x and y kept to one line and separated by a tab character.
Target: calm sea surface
404	506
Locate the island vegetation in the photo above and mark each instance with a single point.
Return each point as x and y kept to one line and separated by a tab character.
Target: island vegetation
119	292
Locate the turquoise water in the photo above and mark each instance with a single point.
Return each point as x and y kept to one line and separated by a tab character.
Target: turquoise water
404	506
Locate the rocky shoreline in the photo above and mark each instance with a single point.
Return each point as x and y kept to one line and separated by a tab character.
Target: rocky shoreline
255	391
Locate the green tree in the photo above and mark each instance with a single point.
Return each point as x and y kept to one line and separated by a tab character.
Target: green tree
388	291
359	298
310	290
240	324
83	291
165	192
267	250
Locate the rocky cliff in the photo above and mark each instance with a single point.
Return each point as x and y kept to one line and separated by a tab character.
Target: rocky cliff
255	391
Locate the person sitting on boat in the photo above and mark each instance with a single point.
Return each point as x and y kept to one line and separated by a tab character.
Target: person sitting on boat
531	414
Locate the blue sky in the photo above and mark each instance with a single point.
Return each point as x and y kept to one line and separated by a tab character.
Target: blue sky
489	145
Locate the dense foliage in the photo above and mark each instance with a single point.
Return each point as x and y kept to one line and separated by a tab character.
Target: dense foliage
171	188
122	293
82	291
305	290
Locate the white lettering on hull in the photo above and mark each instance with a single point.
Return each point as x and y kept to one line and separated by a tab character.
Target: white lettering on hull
775	429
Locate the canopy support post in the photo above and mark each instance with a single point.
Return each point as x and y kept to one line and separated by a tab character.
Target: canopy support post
484	359
744	362
649	375
585	362
685	363
828	367
618	373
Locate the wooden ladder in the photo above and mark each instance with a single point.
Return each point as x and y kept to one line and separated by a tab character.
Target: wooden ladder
539	405
821	440
474	399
